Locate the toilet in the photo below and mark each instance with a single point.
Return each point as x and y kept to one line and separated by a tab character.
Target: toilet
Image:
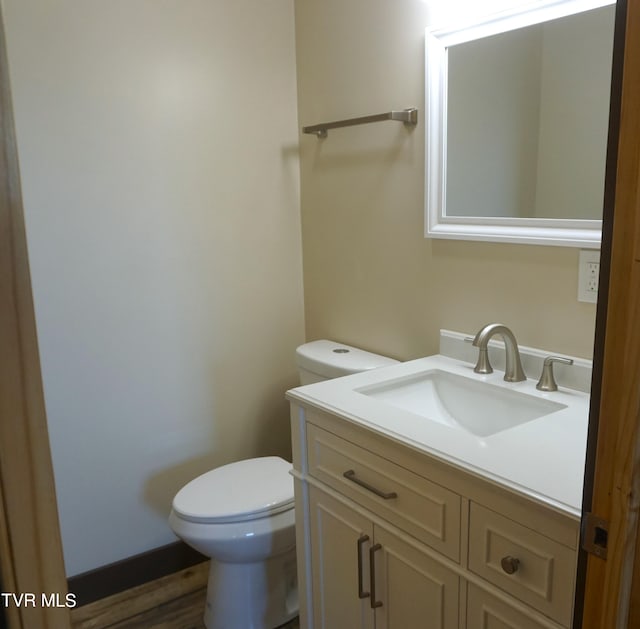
241	515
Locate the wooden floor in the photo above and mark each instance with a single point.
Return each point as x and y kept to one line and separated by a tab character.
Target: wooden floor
173	602
182	613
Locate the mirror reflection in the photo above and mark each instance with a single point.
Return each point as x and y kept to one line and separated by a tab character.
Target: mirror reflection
517	108
527	116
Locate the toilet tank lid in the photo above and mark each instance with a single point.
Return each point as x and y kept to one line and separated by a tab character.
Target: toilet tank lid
331	360
238	491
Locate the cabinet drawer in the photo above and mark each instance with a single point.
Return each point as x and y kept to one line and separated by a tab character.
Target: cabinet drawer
542	570
427	511
485	611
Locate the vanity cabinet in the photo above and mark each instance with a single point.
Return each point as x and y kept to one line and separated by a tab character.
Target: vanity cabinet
391	537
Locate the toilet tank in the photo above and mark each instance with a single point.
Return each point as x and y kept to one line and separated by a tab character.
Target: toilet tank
323	360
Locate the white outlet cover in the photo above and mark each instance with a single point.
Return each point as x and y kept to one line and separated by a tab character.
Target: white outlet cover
587	257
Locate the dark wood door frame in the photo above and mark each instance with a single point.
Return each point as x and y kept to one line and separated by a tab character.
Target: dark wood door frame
610	587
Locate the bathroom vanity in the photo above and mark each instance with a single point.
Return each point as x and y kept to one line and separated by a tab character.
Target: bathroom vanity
405	521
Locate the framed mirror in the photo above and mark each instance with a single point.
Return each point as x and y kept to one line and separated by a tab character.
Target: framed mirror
517	121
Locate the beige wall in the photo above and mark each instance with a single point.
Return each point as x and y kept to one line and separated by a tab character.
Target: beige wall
157	143
371	278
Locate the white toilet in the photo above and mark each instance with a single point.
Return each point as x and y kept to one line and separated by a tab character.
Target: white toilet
242	516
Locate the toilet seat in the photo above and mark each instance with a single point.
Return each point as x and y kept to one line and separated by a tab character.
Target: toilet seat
237	492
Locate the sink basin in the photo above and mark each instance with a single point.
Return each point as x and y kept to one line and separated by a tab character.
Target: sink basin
477	407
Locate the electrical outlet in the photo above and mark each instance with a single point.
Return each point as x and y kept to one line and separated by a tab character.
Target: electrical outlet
588	275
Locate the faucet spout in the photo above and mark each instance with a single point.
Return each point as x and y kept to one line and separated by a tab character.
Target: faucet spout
513	371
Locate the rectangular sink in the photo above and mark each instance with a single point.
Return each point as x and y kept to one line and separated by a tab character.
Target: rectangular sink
476	407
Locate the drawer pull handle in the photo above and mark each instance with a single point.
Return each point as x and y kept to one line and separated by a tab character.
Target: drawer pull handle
510	564
372	568
361	540
385	495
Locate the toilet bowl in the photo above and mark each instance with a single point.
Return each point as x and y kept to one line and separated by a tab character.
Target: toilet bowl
241	515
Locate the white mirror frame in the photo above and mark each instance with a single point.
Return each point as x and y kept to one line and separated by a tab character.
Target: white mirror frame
540	231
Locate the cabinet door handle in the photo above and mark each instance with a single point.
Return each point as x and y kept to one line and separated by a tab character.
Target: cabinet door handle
385	495
372	568
361	540
510	564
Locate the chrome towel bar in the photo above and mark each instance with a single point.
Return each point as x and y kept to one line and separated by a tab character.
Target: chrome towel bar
408	116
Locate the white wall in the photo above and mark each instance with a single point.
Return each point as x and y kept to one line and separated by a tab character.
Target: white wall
157	143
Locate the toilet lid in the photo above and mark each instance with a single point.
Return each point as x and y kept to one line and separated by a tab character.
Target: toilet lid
245	490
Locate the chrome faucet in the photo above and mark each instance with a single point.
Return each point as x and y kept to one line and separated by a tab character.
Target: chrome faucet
513	371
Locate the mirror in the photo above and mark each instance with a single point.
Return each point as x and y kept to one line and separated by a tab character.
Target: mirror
517	121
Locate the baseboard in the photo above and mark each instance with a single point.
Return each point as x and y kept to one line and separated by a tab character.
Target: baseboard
132	572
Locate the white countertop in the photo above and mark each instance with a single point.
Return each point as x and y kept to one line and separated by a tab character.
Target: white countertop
542	459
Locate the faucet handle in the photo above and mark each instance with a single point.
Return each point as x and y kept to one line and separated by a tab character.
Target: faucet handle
547	382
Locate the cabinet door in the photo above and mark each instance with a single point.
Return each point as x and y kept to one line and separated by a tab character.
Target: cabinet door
485	611
412	590
340	542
